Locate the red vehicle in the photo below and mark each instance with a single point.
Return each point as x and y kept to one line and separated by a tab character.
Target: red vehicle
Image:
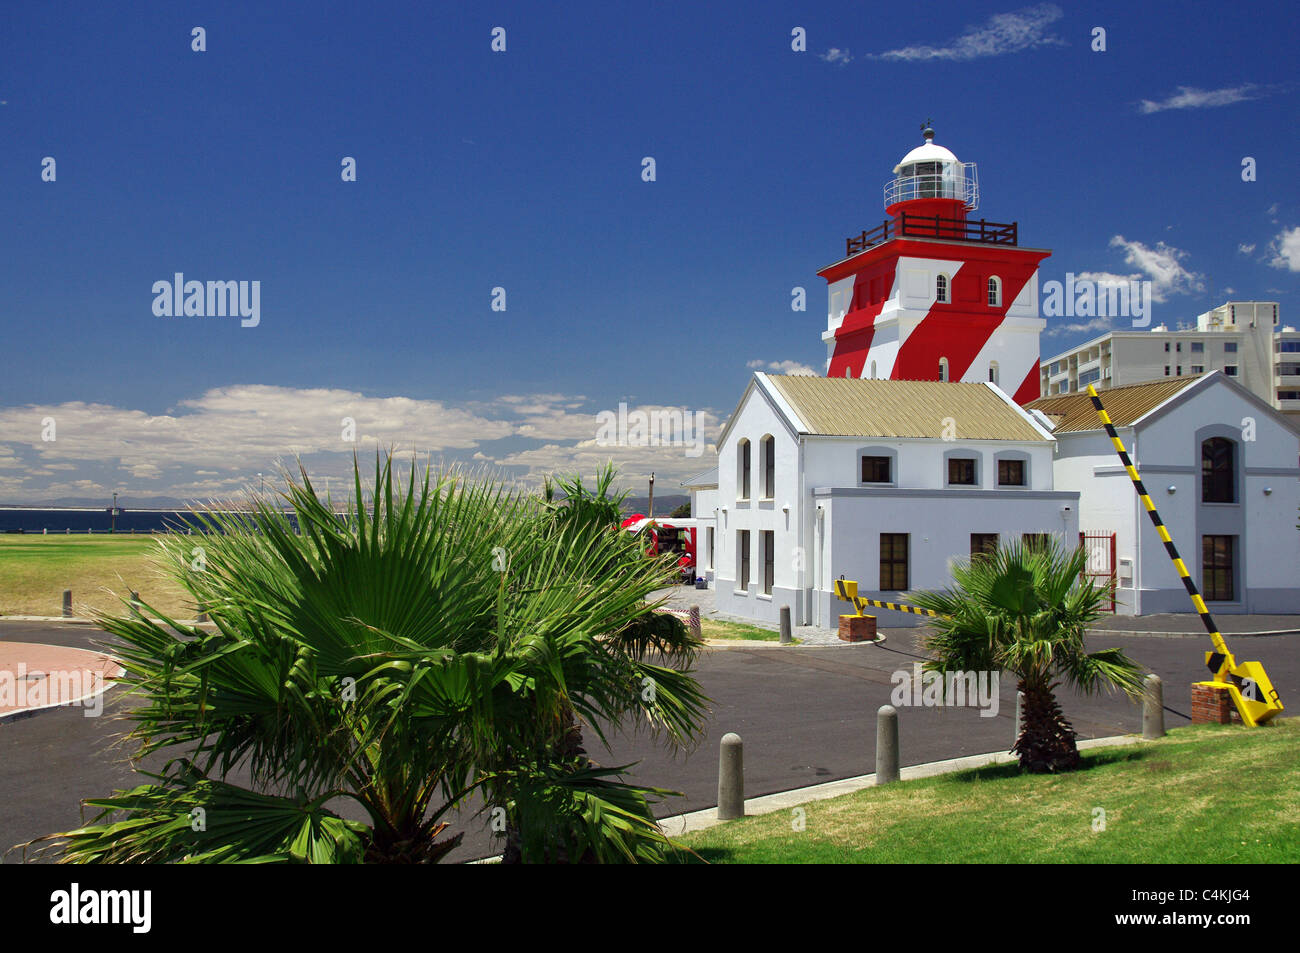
668	536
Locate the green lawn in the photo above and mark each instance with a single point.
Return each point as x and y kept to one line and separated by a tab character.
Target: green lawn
34	571
1205	794
720	629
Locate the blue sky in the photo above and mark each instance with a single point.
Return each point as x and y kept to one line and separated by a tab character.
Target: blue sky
522	170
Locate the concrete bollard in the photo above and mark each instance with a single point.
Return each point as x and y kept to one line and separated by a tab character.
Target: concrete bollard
886	744
1153	708
693	621
1020	718
67	603
731	777
135	605
785	626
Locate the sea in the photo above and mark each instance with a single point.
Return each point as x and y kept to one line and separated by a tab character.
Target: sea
18	519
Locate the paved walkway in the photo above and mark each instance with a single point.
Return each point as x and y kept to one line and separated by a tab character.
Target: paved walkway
1170	624
35	675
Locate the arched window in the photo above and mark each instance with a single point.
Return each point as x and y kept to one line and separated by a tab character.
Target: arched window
767	453
873	370
993	372
1218	477
995	292
943	368
742	475
941	288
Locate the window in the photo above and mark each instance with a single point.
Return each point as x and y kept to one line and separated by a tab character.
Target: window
1178	371
1230	370
1166	347
1289	347
1217	471
1198	347
873	370
742	553
1166	370
943	368
995	293
1231	347
983	544
1036	540
993	372
769	560
710	547
876	470
1011	473
767	448
1198	368
961	471
1217	568
941	289
1179	347
1089	377
893	561
743	477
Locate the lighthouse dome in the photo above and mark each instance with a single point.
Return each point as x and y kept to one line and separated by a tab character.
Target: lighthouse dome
926	153
932	172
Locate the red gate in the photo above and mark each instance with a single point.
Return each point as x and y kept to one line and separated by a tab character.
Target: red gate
1100	548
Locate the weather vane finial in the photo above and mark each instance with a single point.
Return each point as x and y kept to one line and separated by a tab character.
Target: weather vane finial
927	130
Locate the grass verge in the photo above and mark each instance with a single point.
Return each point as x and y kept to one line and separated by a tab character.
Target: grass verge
1206	794
34	571
722	629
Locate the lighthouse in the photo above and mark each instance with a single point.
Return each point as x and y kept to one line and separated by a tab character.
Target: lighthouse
932	293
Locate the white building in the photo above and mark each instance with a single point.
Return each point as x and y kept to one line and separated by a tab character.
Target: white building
1223	470
1242	339
881	481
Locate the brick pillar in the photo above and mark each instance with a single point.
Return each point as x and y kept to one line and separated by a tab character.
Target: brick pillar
858	628
693	620
1211	704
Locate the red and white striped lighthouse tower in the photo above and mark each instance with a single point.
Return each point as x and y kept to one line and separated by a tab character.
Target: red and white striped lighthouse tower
932	294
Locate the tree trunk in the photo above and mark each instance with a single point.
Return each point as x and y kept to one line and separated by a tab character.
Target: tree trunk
568	747
1047	741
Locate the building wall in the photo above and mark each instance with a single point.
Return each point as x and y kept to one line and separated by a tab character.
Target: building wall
1166	452
1268	556
754	419
939	524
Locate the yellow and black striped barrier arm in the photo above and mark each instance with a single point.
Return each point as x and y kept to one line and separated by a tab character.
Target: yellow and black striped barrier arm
1251	691
847	589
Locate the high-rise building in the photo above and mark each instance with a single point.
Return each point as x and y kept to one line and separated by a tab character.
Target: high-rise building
1243	339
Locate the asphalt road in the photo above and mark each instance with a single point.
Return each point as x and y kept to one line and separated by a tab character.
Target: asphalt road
807	715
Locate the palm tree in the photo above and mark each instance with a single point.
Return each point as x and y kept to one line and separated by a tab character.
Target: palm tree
1025	609
425	644
582	513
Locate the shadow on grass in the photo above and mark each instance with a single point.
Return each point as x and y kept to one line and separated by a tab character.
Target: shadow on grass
704	855
1091	760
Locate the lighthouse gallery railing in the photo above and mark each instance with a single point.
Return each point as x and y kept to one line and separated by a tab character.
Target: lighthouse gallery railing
935	226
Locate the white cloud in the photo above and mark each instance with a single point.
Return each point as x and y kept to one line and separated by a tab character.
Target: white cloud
215	444
1285	250
1162	265
1096	324
1002	33
836	55
1246	249
1189	97
783	367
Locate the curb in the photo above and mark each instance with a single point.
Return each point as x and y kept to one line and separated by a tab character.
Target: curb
1190	635
678	824
768	644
